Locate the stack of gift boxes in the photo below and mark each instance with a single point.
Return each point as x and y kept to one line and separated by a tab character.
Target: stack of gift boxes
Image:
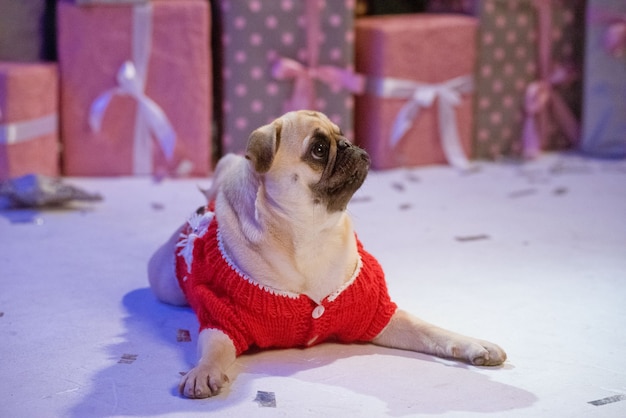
138	87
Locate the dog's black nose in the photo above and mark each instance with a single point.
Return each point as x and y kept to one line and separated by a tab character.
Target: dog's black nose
342	144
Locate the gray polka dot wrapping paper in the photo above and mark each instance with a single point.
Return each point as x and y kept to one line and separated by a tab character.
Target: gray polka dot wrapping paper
255	37
509	63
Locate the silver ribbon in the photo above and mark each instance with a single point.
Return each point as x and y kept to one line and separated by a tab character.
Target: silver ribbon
131	81
423	95
14	132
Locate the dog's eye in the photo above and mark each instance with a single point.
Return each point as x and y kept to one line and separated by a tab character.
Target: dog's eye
319	151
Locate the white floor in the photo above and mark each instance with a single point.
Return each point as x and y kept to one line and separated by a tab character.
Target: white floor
531	256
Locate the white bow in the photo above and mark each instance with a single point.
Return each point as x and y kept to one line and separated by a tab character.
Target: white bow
131	79
423	95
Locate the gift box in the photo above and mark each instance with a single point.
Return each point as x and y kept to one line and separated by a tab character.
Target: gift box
29	140
604	113
286	55
418	106
528	77
135	92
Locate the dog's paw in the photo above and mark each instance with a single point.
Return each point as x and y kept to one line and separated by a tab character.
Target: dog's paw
202	382
484	353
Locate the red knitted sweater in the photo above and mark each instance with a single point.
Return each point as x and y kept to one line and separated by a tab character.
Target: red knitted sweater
251	315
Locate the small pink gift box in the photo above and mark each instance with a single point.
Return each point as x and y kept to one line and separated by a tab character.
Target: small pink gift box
418	106
29	140
135	93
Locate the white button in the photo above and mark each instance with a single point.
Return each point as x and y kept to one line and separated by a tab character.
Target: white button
318	311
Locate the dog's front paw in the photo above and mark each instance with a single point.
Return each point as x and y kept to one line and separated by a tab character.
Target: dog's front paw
202	382
484	353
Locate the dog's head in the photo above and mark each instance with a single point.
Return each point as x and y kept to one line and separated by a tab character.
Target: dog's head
304	153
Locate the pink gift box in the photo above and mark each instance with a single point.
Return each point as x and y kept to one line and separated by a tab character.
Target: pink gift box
419	49
29	140
133	79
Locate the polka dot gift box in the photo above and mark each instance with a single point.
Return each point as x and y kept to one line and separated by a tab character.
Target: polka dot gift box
528	77
283	55
135	88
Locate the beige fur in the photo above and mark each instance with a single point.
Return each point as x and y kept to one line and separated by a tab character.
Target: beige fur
292	237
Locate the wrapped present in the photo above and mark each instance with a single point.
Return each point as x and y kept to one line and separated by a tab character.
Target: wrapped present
604	114
135	93
285	55
26	30
528	84
452	6
29	140
418	104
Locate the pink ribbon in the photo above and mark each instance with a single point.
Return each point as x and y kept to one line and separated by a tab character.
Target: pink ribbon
541	97
304	76
615	38
615	33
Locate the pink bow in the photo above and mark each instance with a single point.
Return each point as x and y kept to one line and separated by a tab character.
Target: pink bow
303	96
540	95
615	38
304	76
615	33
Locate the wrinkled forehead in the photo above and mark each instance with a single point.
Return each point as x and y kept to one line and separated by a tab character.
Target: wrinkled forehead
308	124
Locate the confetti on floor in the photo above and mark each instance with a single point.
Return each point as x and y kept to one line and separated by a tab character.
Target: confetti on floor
412	177
398	186
607	400
183	336
468	238
265	399
128	358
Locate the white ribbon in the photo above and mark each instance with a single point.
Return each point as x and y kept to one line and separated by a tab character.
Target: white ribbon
131	81
14	132
423	95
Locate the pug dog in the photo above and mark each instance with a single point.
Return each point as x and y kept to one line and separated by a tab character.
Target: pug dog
272	260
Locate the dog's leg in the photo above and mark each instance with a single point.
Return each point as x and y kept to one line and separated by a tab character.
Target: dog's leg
410	333
217	354
162	274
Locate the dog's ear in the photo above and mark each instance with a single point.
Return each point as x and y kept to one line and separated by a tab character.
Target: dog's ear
262	146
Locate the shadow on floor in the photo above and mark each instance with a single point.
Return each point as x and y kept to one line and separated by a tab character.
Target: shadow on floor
146	364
